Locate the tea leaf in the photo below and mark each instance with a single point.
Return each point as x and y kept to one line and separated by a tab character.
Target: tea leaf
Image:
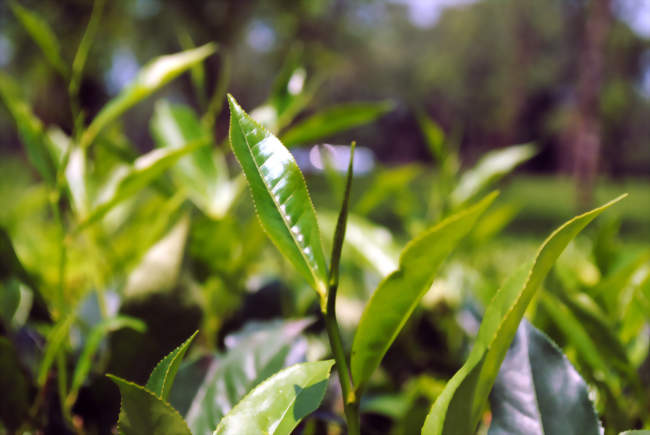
143	412
333	120
42	35
254	354
162	377
492	167
15	397
399	293
537	390
458	409
277	405
151	78
280	194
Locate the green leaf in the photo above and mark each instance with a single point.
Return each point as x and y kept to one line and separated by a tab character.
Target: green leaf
635	432
254	354
204	173
458	409
98	333
433	135
280	194
151	78
127	181
277	405
14	400
42	34
162	377
142	412
54	343
334	120
84	46
30	129
537	390
399	294
492	167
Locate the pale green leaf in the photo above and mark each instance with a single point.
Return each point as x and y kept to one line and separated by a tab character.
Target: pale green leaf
399	294
458	409
280	194
277	405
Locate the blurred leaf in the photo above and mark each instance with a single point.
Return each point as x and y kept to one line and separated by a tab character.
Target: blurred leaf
84	46
281	197
14	400
333	120
56	340
9	300
277	405
152	77
142	412
162	377
537	390
204	173
388	183
492	167
42	35
30	129
94	339
398	295
254	354
127	181
635	432
159	268
459	407
433	135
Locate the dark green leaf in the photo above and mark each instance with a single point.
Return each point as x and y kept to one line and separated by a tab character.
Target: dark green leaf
458	409
254	354
162	377
399	294
537	390
151	78
334	120
433	135
277	405
280	194
42	34
14	400
142	412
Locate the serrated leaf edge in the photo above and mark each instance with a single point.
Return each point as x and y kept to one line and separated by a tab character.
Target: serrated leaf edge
175	354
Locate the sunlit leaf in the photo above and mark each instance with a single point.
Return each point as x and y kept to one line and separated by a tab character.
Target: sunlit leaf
492	167
254	354
151	78
42	34
398	294
280	194
333	120
459	407
537	390
30	129
162	377
277	405
143	412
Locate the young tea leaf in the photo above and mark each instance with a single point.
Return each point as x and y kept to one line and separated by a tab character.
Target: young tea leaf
143	412
537	390
162	377
399	294
458	409
280	194
151	78
277	405
333	120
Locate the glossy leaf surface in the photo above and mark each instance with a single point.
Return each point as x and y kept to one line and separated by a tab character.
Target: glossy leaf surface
142	412
254	354
459	407
490	169
42	34
203	173
538	391
162	377
127	181
151	78
399	294
277	405
334	120
280	194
